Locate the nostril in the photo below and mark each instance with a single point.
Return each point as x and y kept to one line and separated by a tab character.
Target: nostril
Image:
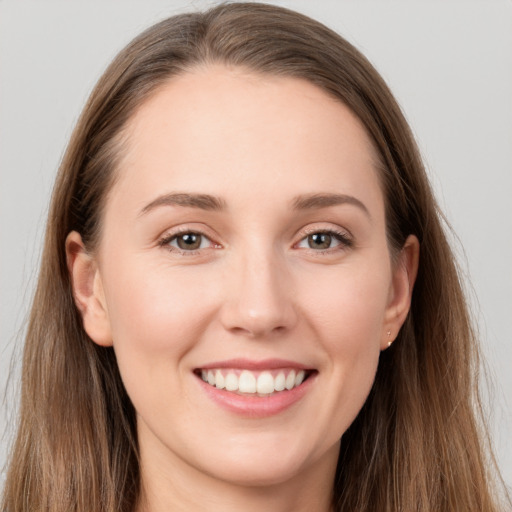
258	331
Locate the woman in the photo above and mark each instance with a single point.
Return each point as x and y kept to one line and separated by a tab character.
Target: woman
246	295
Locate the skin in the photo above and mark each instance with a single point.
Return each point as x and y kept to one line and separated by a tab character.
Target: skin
255	288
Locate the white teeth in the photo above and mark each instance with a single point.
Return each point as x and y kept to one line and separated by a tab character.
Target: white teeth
263	383
290	380
280	382
247	382
300	377
219	380
231	382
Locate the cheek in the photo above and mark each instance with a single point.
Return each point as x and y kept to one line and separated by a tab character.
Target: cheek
155	310
348	310
157	317
347	319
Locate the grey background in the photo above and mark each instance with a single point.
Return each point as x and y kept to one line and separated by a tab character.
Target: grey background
449	64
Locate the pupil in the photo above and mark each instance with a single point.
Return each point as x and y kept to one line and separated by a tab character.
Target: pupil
189	241
320	241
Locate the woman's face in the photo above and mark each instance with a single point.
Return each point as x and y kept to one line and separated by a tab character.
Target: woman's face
243	276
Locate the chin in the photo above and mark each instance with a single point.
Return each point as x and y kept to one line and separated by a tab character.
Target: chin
262	463
256	474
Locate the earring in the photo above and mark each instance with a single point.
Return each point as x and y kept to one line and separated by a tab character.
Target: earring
389	341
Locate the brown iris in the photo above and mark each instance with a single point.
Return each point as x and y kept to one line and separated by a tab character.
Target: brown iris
189	241
319	241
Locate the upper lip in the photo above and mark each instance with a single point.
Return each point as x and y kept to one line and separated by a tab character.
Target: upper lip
250	364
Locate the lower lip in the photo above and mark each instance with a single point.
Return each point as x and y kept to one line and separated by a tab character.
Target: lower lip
253	406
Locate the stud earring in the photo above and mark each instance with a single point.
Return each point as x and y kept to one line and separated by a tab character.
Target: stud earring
389	341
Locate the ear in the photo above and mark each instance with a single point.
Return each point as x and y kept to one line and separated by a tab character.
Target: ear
88	290
405	270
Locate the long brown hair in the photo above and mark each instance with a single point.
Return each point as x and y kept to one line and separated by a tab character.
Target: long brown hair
417	444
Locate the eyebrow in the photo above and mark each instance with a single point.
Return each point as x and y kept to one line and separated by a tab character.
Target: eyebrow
201	201
317	201
214	203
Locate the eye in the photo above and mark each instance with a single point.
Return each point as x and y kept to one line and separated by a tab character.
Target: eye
324	240
187	241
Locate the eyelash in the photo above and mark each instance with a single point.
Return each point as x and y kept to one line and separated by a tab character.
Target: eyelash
167	239
344	239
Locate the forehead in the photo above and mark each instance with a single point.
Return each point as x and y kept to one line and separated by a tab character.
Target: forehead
225	131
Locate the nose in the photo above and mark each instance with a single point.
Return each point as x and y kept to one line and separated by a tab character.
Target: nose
260	298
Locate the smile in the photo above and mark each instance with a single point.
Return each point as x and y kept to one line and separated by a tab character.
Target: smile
255	389
259	383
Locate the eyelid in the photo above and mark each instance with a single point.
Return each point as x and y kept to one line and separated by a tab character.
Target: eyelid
325	229
343	235
173	233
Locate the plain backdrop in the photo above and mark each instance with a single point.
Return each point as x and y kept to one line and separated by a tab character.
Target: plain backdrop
449	64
